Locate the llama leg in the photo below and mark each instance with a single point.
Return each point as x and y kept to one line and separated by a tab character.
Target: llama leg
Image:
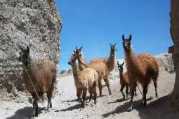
132	89
35	107
49	96
49	105
94	92
127	91
100	87
155	85
122	87
91	94
84	97
135	90
144	95
132	97
94	97
108	86
79	91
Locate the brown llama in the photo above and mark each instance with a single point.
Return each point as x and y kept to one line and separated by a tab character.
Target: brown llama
124	80
86	80
102	66
142	68
39	77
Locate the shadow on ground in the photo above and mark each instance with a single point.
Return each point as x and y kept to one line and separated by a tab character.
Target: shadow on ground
157	109
24	113
74	107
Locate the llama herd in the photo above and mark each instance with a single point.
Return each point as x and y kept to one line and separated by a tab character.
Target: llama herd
141	69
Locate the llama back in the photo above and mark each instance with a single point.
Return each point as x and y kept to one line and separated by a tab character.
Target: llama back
87	77
150	63
99	66
44	73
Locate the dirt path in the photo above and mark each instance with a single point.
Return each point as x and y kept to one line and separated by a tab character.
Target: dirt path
110	107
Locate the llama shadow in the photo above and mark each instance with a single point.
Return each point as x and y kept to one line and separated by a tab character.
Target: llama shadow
74	107
125	107
118	100
73	100
24	113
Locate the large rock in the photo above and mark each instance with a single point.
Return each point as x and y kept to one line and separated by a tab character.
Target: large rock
23	23
174	30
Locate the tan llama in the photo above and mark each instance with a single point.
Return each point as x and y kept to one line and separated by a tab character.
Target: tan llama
102	66
85	80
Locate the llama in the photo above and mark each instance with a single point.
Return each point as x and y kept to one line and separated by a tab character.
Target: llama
124	81
39	77
86	80
102	66
75	68
141	68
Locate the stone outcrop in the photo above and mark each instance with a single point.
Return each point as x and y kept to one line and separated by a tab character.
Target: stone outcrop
33	23
175	37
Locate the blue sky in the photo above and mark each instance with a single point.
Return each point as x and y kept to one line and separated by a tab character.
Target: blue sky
94	24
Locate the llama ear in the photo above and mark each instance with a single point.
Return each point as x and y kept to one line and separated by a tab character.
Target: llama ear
118	63
80	48
122	63
28	50
69	63
130	37
123	37
20	47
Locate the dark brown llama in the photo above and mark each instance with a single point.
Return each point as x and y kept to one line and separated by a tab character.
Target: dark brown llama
124	80
141	68
39	77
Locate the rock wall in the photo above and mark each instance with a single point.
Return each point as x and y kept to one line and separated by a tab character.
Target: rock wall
174	30
33	23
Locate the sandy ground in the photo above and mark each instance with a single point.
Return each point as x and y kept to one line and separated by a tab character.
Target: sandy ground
110	107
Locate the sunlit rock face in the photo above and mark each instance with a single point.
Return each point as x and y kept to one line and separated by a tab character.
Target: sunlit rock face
33	23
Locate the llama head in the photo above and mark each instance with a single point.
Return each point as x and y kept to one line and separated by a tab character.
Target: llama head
127	42
78	53
120	67
24	56
73	58
113	48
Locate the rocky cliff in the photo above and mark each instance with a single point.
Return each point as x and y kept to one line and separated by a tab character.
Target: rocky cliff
33	23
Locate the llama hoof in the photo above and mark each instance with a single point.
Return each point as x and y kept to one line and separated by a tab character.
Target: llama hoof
35	114
156	95
78	99
124	98
145	104
130	109
95	102
49	106
83	105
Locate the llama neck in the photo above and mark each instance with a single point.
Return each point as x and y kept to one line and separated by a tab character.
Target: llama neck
82	64
111	61
121	75
75	70
27	65
131	62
